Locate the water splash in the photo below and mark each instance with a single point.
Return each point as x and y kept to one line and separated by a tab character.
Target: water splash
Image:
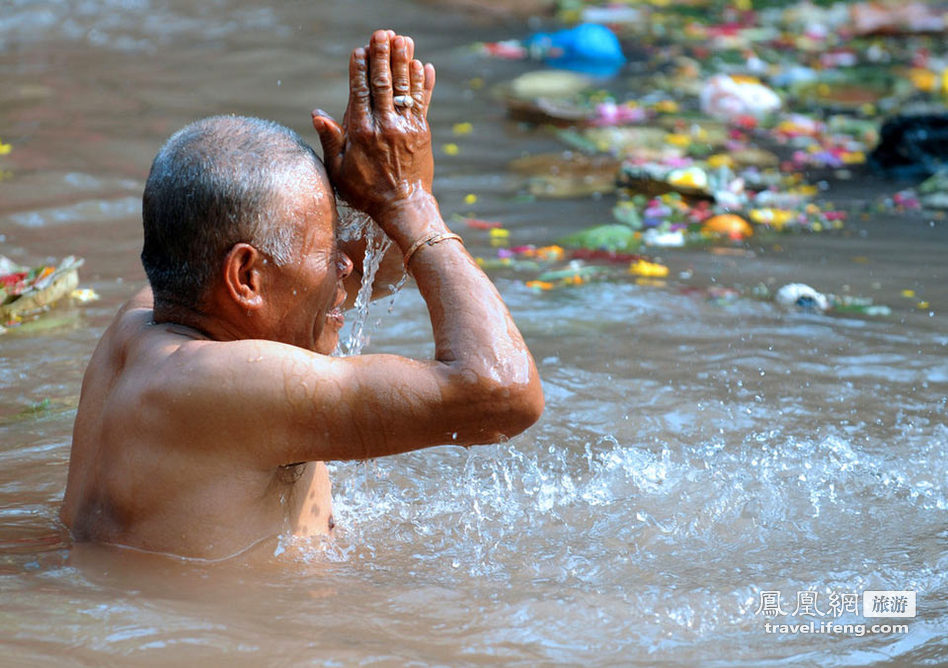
357	225
605	512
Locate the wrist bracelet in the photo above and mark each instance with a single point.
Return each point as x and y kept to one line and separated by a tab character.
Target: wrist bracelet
430	240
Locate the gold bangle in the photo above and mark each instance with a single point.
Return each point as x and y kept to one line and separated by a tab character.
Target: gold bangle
430	240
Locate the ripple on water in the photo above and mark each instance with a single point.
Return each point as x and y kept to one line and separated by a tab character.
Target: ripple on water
96	209
686	532
129	25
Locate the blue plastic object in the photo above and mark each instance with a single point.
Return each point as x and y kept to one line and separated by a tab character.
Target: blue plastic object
588	47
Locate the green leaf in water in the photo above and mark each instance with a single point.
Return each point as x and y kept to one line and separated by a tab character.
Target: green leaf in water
613	237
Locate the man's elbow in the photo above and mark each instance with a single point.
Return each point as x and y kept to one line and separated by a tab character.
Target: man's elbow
499	403
527	407
519	406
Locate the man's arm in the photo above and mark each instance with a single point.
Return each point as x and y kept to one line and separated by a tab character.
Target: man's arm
278	404
381	162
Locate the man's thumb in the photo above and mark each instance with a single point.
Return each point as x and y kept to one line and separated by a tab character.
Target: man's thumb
330	136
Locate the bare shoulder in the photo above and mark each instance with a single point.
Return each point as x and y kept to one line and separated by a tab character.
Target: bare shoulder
246	398
264	404
170	384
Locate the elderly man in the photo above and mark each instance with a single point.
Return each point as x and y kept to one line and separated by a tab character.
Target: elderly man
211	402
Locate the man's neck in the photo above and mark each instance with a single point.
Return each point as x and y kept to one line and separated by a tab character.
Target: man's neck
203	323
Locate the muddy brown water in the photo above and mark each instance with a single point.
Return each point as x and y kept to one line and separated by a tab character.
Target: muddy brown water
692	455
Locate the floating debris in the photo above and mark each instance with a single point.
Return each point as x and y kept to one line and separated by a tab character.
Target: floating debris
802	296
567	174
728	225
731	96
612	237
933	192
733	109
29	292
648	269
587	47
913	145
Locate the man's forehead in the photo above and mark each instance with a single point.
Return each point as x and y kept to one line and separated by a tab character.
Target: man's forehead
325	194
306	185
314	176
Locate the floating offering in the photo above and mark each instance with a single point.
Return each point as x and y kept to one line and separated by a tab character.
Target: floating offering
691	178
548	84
614	238
29	292
567	174
648	269
728	225
733	109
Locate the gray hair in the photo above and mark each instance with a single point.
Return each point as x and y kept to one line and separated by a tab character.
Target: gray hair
215	183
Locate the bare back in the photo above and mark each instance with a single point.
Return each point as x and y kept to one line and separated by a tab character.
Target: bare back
144	477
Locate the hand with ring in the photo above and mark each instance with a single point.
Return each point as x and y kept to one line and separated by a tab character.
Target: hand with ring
381	154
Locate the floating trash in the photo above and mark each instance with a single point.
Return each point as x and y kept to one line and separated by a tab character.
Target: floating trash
589	47
731	96
802	296
912	145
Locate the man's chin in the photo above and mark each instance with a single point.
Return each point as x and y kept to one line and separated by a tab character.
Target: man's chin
327	342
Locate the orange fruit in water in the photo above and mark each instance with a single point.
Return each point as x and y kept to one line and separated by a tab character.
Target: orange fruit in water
728	225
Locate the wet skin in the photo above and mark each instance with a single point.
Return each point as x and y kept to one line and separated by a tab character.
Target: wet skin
201	432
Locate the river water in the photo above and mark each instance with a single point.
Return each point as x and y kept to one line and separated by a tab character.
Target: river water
693	454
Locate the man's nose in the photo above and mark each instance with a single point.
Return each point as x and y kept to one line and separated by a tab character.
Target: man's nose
343	265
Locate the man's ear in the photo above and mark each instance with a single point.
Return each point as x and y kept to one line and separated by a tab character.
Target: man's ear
243	277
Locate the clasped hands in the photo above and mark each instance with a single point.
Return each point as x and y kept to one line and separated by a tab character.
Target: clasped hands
380	157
